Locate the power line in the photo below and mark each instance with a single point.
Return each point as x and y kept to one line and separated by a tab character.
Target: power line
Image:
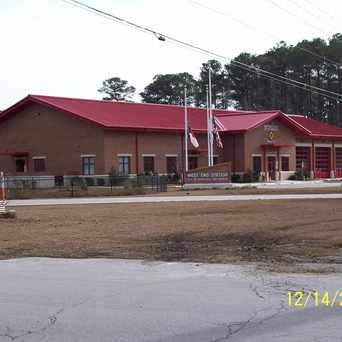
324	11
162	37
313	14
317	28
296	86
254	28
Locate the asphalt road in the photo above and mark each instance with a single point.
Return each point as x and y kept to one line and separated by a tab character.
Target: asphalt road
115	301
156	199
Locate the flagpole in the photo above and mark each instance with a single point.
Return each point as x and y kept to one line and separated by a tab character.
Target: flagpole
2	181
186	128
210	124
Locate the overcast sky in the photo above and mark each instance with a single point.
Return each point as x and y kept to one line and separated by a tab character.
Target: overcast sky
50	47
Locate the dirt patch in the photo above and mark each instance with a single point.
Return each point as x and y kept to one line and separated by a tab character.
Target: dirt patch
265	231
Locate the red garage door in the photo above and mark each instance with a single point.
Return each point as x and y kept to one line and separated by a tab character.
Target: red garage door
339	162
322	162
303	158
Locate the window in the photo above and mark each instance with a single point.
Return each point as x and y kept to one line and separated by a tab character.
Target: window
149	164
171	165
215	160
257	164
39	164
20	165
285	164
88	165
124	165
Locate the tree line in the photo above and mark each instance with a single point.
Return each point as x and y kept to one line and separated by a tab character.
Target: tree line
241	88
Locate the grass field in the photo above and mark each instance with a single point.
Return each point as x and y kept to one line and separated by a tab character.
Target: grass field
266	231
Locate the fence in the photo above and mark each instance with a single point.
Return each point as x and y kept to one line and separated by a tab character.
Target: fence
74	186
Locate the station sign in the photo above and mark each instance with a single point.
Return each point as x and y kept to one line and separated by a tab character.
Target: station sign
219	173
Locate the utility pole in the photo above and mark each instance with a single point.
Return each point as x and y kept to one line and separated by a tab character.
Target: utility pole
210	124
339	118
186	128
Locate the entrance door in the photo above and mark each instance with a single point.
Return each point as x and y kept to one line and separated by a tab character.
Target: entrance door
272	167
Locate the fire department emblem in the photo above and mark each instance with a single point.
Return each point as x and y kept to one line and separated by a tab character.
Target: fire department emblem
270	135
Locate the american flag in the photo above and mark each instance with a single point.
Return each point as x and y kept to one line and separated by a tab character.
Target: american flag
217	126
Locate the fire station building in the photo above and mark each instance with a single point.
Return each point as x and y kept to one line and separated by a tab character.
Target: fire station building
55	136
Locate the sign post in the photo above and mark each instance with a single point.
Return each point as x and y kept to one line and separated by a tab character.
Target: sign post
3	193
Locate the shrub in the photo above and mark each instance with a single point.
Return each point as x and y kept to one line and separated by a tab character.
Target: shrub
90	181
100	182
247	177
292	177
236	178
302	175
78	182
256	176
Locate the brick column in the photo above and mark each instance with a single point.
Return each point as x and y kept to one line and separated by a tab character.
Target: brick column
278	164
313	161
264	163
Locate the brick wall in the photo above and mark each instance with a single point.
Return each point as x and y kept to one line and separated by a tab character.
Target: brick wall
42	131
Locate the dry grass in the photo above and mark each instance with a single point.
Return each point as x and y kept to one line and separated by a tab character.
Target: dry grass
266	231
172	191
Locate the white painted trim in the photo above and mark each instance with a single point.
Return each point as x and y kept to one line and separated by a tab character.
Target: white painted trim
39	157
304	144
256	155
148	155
285	155
88	155
124	154
338	145
171	155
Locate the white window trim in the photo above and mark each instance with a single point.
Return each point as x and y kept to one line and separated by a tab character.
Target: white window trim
285	155
303	145
171	155
148	155
338	145
88	155
124	154
256	155
39	157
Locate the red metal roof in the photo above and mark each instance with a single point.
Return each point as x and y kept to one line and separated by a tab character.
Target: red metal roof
317	128
155	117
239	122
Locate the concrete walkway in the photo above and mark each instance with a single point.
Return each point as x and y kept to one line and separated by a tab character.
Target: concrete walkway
156	199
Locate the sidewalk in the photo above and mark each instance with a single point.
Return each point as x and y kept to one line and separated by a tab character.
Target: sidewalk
145	199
